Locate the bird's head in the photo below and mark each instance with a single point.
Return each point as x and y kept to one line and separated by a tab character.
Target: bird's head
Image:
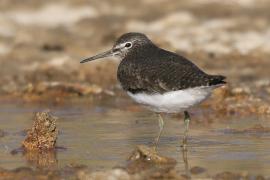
124	45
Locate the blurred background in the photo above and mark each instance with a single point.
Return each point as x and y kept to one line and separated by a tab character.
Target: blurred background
42	43
45	40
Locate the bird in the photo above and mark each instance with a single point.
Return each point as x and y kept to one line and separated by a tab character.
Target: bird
160	80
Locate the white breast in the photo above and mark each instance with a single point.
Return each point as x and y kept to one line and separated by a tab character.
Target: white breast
174	101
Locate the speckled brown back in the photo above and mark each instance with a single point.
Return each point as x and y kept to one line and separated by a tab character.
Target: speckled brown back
149	69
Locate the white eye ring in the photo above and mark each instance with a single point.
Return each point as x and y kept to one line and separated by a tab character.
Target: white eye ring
128	45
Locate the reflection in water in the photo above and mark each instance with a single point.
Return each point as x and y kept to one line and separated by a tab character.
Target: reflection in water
185	160
42	160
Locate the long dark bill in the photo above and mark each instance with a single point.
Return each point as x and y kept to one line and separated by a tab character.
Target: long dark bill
101	55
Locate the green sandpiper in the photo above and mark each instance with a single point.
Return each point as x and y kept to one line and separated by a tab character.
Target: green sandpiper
162	81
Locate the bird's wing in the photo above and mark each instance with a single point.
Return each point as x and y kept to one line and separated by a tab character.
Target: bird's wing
170	73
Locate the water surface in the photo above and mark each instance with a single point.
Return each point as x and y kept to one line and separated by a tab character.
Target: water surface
102	136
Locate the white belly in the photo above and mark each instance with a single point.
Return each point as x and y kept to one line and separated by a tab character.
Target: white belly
174	101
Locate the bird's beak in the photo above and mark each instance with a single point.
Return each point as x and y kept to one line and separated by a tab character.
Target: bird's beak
101	55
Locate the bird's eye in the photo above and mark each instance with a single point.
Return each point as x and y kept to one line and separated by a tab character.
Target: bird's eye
128	45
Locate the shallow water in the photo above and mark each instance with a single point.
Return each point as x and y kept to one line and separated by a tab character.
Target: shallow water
102	136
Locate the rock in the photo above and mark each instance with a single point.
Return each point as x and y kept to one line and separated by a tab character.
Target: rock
146	159
149	154
43	134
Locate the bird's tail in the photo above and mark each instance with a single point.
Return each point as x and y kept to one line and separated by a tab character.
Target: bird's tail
217	80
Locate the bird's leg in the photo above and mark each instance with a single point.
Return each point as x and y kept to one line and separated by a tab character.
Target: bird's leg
160	124
186	122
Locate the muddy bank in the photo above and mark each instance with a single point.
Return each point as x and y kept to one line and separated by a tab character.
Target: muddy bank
83	173
38	51
39	56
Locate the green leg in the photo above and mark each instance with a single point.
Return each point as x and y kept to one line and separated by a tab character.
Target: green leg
186	122
160	124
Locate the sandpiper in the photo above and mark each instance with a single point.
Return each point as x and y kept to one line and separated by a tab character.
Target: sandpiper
162	81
